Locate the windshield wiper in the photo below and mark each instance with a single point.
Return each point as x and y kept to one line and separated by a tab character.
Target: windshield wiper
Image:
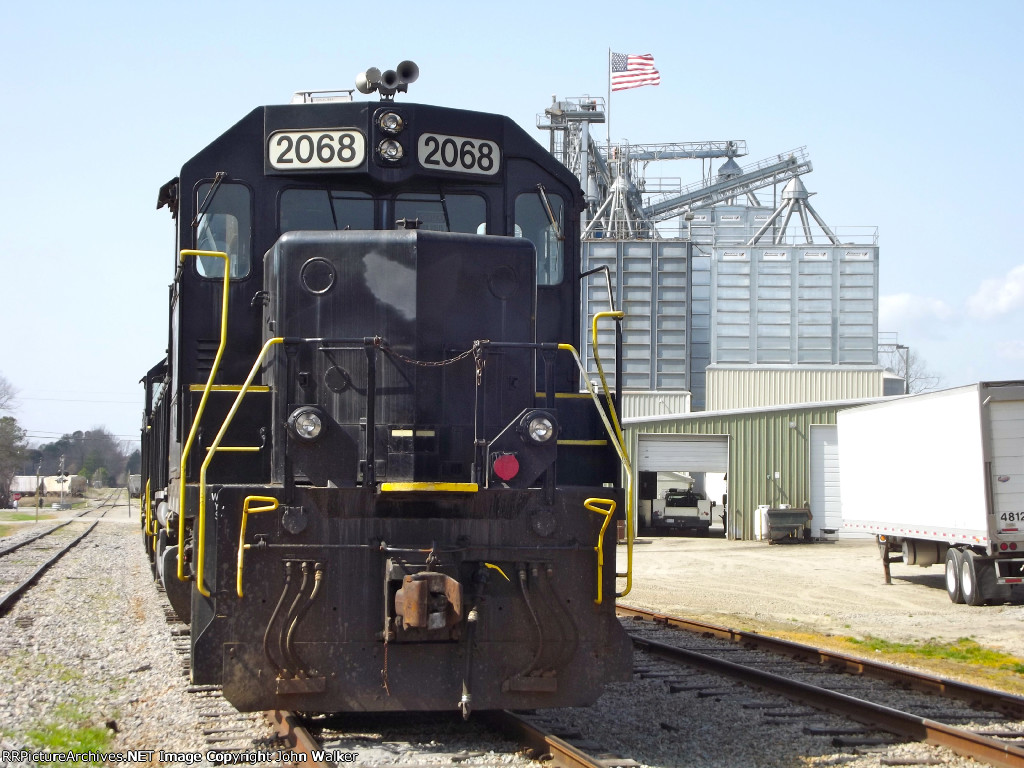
217	179
551	216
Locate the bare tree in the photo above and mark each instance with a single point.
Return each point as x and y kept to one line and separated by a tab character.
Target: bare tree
7	395
911	367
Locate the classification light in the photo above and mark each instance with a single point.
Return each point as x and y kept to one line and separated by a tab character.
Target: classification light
390	150
391	122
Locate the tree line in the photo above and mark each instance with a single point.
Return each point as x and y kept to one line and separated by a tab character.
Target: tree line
95	454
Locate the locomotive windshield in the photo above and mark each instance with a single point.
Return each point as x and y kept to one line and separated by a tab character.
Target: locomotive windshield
321	209
442	212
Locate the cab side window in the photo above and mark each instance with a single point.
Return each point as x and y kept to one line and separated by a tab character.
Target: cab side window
225	225
534	222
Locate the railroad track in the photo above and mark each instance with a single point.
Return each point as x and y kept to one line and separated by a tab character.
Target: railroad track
22	563
982	724
506	737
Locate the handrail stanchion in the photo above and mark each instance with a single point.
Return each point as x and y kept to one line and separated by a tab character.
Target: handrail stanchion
182	576
212	451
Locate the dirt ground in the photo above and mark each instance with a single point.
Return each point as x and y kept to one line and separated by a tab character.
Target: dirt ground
834	588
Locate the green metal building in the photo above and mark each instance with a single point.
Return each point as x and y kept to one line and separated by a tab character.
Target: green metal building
766	453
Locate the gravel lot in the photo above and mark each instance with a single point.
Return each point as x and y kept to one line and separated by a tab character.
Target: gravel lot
90	646
833	588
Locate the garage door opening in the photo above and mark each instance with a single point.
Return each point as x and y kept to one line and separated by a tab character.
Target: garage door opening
683	484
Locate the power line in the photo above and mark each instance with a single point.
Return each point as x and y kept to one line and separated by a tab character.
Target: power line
136	401
37	435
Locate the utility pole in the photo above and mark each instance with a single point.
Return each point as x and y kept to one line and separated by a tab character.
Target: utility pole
39	490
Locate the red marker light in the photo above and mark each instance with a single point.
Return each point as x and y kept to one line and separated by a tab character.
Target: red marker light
506	466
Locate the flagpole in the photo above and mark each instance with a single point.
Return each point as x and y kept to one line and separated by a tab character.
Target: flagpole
608	113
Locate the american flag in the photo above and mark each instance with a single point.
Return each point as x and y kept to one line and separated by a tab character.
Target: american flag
631	70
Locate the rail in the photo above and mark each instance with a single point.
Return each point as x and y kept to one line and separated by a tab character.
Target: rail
920	681
908	725
12	597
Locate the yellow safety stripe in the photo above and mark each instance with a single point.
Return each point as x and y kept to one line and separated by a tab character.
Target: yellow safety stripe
227	388
421	487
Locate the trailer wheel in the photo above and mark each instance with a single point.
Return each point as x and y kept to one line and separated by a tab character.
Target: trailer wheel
970	583
954	564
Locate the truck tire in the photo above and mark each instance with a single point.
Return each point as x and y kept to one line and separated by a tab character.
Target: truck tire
970	579
954	564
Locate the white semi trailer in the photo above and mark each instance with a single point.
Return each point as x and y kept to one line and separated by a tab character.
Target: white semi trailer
939	477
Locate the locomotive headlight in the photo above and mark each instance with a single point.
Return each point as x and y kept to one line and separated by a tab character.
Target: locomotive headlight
539	427
390	150
391	122
306	423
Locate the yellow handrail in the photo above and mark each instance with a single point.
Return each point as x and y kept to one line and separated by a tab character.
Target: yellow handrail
618	315
620	448
150	522
182	576
212	451
149	509
591	504
271	504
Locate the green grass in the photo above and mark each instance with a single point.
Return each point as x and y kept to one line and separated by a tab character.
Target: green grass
964	659
22	516
965	651
65	733
66	738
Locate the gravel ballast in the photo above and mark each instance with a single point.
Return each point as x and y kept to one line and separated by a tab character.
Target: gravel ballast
90	647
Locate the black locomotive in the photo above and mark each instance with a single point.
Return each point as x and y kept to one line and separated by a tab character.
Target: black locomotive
372	478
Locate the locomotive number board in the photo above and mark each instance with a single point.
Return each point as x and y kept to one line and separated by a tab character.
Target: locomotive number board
460	154
316	150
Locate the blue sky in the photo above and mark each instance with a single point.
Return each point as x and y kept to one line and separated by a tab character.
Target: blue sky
910	112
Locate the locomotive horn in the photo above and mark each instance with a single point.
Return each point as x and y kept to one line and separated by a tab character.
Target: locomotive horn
408	72
366	82
389	83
